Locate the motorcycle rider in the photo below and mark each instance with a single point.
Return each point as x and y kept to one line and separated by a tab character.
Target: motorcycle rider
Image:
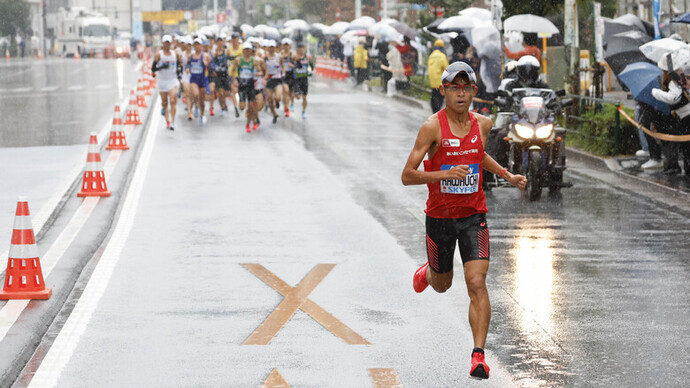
527	75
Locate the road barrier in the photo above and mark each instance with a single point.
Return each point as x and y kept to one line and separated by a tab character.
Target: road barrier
331	68
24	276
117	140
93	183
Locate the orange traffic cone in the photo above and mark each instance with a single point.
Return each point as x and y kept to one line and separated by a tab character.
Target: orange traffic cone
39	56
24	277
141	98
7	54
76	55
117	140
94	179
132	111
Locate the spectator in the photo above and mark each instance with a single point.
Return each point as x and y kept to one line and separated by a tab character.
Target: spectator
398	80
530	48
361	62
348	52
648	116
337	49
408	55
459	45
436	64
677	98
383	48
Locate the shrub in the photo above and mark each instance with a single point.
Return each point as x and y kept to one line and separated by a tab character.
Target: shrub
597	132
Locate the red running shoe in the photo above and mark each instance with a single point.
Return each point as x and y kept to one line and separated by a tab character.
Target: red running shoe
255	127
479	368
247	128
210	111
287	113
419	280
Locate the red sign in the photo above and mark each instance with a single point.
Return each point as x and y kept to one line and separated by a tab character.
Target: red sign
337	14
220	18
438	11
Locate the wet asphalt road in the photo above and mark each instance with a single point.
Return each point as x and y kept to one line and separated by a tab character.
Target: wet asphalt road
59	101
589	287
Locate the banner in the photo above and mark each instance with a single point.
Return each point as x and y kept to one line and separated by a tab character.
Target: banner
656	10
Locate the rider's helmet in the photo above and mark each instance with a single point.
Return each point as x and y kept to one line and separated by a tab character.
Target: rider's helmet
528	70
510	70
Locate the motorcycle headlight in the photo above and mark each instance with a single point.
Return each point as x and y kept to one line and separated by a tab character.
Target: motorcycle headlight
544	131
119	50
524	131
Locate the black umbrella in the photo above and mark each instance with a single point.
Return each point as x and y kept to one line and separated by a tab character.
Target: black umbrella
680	19
623	49
405	30
433	27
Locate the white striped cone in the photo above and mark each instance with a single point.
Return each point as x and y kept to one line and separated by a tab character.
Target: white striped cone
132	110
141	98
117	140
24	277
93	184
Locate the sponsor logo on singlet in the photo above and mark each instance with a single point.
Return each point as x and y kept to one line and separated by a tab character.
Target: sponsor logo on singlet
451	142
469	185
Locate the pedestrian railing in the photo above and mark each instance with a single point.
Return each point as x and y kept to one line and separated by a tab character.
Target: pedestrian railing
586	103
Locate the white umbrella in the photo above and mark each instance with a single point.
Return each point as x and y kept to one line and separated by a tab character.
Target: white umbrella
385	31
680	59
362	22
320	26
247	29
457	23
483	36
475	12
656	49
530	23
297	24
337	28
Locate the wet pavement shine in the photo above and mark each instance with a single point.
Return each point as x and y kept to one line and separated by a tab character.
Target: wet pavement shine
589	287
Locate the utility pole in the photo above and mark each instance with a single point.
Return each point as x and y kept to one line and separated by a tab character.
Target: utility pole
287	10
358	8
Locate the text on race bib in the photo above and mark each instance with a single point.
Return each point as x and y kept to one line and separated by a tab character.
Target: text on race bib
468	185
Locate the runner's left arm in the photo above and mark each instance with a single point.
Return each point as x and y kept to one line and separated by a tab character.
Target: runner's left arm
490	164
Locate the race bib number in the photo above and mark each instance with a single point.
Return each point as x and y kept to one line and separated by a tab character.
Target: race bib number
468	185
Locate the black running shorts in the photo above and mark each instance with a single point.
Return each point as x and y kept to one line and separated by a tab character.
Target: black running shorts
471	234
246	92
274	83
301	86
223	82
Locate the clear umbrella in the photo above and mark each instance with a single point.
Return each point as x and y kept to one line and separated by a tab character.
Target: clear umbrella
680	59
297	24
530	23
337	28
483	37
247	29
362	22
476	12
457	23
656	49
384	31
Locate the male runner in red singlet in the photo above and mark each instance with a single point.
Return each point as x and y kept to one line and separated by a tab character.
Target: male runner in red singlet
456	209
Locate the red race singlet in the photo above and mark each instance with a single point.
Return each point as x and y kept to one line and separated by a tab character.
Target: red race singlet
453	198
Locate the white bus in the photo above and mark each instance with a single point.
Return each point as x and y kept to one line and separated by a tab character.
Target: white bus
80	30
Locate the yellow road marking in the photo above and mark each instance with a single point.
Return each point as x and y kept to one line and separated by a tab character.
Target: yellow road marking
385	378
275	380
297	298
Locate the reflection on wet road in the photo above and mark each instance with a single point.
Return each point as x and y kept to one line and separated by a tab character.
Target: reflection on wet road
588	287
59	101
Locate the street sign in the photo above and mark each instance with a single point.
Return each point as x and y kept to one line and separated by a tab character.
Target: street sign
337	14
220	18
188	15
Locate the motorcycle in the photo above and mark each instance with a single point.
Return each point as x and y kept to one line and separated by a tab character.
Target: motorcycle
528	140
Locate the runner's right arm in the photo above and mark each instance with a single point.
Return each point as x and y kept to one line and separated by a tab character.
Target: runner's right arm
427	139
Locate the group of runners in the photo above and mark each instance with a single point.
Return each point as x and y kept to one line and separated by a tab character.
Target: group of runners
254	74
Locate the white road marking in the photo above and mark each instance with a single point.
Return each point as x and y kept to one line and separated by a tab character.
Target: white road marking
49	206
21	90
103	86
74	88
48	373
49	88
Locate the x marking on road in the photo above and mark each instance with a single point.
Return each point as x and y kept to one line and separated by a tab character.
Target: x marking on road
296	298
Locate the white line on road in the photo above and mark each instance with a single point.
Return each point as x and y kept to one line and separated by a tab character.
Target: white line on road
49	88
74	88
21	90
103	86
61	351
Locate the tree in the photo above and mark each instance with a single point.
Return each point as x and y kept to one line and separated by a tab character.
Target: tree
14	17
540	8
